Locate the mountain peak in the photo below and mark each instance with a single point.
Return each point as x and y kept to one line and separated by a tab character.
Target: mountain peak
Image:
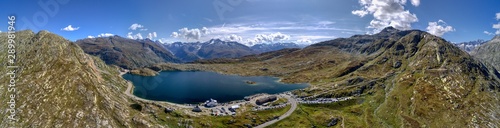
497	37
215	40
389	29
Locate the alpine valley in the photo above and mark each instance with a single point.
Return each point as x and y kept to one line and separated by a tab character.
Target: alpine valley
393	78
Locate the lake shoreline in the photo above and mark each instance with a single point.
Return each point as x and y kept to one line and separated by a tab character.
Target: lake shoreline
273	83
131	87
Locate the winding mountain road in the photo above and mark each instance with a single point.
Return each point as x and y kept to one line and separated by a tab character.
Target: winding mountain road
293	102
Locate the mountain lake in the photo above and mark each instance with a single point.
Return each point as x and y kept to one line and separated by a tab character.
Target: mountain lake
198	86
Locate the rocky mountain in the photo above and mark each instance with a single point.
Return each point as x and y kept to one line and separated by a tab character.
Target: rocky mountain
126	53
401	78
267	47
214	48
489	52
471	45
58	85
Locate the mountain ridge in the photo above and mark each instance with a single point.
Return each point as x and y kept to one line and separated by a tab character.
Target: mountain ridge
214	48
217	48
126	53
59	85
488	52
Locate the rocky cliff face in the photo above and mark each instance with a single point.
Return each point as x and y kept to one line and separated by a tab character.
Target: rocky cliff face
58	85
489	52
126	53
471	45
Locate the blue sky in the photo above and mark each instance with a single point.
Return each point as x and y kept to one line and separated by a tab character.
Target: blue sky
253	21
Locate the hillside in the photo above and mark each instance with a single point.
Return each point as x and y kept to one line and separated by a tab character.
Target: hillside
58	85
402	78
489	52
126	53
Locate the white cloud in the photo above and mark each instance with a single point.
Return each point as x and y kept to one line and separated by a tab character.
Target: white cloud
152	35
488	33
234	37
304	41
361	13
387	13
136	26
165	40
131	35
415	2
90	36
316	37
105	35
274	37
194	34
497	26
174	34
324	23
70	28
205	30
259	32
439	28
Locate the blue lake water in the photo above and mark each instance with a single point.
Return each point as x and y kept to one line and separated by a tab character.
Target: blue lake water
198	86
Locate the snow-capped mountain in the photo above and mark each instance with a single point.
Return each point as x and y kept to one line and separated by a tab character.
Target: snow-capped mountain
267	47
214	48
471	45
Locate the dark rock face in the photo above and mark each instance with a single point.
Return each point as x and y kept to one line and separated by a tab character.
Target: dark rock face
333	122
196	109
397	64
489	52
126	53
265	100
168	110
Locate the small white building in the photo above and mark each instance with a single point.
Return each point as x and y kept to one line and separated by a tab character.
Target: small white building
235	106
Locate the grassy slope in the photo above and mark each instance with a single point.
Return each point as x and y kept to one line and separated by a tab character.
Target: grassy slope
435	85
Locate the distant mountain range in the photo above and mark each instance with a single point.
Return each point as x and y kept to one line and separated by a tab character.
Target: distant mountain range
214	48
267	47
217	48
131	54
471	45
